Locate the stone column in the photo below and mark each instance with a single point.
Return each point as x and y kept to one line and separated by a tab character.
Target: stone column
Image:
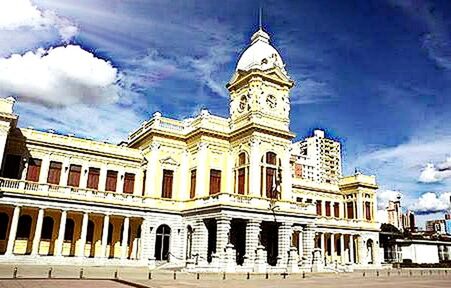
102	176
37	232
254	168
202	170
84	230
124	243
286	175
300	243
200	240
45	165
13	231
147	245
222	234
230	173
152	166
361	251
182	192
342	248
351	249
332	247
284	244
321	246
252	238
359	210
308	244
61	232
64	172
120	181
138	187
106	223
84	174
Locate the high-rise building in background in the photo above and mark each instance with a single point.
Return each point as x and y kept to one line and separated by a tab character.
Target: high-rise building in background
318	158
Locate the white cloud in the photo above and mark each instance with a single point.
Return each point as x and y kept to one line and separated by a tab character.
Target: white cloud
431	202
22	14
383	196
59	76
436	173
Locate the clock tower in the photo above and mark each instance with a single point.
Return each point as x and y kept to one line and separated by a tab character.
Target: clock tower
259	88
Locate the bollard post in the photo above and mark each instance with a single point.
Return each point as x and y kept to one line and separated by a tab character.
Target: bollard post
115	274
388	273
81	273
15	272
50	273
198	276
377	273
363	274
175	275
224	276
150	275
421	273
303	274
267	275
248	276
410	272
430	272
284	274
399	272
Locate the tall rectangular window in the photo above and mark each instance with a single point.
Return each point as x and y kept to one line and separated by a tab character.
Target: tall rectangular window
271	183
54	173
34	169
368	210
192	189
318	207
336	209
241	180
74	175
111	181
129	183
215	181
168	178
327	208
93	178
350	210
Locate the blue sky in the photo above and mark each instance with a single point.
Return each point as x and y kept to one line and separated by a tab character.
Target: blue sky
374	74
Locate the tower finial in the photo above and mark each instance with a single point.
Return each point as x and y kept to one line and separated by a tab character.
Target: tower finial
260	12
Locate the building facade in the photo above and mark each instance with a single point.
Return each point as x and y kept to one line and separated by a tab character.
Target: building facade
207	193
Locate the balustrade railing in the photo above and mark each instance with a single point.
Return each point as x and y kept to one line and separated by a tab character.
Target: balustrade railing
22	186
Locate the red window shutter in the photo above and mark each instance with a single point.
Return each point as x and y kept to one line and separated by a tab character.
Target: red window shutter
34	168
215	181
168	176
54	173
270	182
93	178
241	180
350	209
111	180
327	208
129	183
368	210
192	190
318	207
74	175
336	210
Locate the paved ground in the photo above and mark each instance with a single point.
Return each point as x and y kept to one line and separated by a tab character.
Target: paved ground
61	283
319	282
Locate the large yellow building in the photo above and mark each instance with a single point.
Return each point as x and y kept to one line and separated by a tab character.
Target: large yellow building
207	193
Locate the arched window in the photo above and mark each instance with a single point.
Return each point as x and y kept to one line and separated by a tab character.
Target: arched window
241	174
69	232
270	179
162	243
369	249
47	228
90	232
4	220
24	227
189	242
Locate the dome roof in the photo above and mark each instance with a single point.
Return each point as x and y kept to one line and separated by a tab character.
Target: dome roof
260	54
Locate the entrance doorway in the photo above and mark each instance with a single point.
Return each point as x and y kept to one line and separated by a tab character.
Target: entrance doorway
211	228
238	239
270	240
162	243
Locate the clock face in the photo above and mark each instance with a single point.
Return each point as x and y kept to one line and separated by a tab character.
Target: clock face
244	103
271	101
